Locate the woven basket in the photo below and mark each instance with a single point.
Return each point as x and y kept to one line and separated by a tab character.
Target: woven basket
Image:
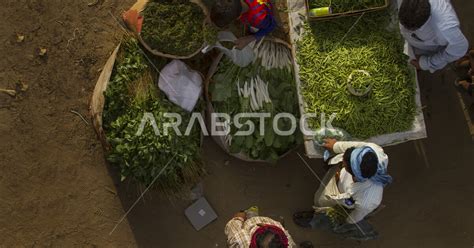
172	56
220	140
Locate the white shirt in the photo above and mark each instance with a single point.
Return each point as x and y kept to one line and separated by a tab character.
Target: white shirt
367	195
440	40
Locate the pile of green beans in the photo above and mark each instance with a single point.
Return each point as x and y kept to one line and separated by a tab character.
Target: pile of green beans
326	60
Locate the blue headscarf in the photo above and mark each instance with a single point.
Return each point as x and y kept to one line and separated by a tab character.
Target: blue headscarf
380	177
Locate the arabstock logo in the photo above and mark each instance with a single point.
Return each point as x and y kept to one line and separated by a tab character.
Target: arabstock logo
221	123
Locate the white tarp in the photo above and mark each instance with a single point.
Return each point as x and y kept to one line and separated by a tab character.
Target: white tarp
297	12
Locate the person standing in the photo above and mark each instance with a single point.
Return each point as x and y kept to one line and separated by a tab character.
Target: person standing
432	28
357	186
248	230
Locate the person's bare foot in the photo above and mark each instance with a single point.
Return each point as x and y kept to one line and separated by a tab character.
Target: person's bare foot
465	84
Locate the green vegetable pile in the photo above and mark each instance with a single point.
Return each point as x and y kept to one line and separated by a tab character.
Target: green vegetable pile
174	27
130	94
338	214
341	6
275	94
326	64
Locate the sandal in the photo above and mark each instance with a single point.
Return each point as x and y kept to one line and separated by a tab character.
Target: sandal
463	62
303	219
462	89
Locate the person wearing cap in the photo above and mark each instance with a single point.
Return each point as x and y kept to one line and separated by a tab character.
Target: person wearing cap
248	230
357	185
432	28
256	15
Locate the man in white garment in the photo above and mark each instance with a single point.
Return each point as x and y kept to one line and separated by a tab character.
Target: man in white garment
357	185
431	27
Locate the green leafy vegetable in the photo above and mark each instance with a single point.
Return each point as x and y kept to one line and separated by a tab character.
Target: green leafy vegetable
278	96
175	27
172	159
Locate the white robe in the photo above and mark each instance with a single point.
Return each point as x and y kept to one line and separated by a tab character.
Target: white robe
440	40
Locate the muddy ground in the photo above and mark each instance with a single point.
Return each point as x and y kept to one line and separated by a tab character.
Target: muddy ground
56	190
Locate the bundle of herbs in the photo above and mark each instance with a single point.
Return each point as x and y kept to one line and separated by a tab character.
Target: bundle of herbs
266	86
175	27
368	57
171	159
342	6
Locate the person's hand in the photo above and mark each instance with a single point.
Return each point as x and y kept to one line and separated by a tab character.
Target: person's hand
241	43
338	175
329	143
416	64
241	215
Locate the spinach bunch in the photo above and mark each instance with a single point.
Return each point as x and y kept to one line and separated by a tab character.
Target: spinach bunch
129	66
130	94
143	157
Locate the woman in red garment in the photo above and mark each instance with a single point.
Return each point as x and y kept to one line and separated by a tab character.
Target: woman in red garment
256	15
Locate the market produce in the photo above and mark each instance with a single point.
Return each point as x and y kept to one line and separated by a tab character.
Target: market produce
175	27
273	55
142	157
130	65
210	33
372	51
341	6
265	86
338	215
330	133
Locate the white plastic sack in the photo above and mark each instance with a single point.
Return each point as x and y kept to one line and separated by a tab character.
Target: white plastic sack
242	57
182	85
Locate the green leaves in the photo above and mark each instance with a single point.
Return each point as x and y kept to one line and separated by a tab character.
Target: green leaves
223	89
130	94
282	90
175	28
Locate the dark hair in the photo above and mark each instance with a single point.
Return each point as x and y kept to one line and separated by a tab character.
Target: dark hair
275	241
347	159
414	13
223	12
368	166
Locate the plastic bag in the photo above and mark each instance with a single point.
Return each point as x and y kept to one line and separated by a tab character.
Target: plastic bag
242	57
182	85
335	133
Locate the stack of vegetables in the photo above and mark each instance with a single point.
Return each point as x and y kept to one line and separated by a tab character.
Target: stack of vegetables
176	27
265	86
130	94
342	6
343	57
